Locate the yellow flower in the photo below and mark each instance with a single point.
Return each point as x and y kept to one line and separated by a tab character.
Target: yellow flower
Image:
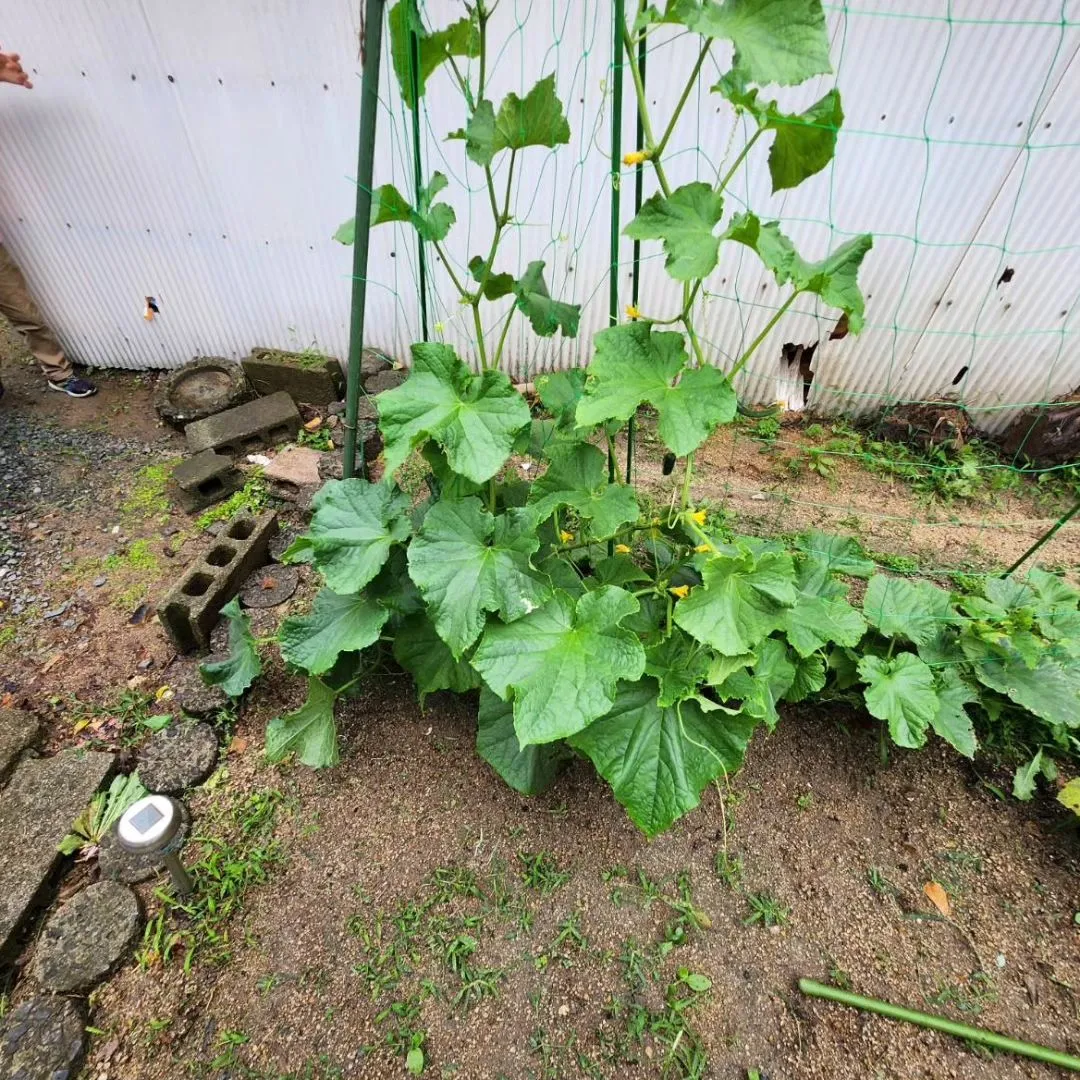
439	328
635	157
622	549
698	517
565	536
679	590
702	548
655	521
632	312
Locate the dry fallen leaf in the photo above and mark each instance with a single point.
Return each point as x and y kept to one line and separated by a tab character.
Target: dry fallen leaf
937	896
238	745
313	425
268	583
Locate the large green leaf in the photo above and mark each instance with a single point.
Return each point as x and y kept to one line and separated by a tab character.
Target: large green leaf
657	759
561	663
834	278
917	610
685	221
465	562
352	530
535	120
951	721
771	677
901	692
841	554
560	393
578	477
776	41
804	142
528	769
815	621
1051	588
496	285
742	599
461	38
1051	690
809	677
421	652
309	732
243	664
545	315
634	364
336	624
474	418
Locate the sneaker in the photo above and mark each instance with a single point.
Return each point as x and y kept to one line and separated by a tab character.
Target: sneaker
74	387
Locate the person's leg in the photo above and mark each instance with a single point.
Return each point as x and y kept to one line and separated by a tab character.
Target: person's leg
17	305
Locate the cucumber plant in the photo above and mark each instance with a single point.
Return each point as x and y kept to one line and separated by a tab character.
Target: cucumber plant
653	646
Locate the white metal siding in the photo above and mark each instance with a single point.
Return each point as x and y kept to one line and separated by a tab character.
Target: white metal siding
218	192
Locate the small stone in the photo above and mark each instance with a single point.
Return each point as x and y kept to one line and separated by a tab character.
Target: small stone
385	380
117	864
372	362
759	496
98	582
86	938
177	758
297	467
56	612
145	665
336	408
42	1038
68	624
170	530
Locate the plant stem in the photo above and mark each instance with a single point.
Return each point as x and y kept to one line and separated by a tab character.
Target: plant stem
491	193
643	110
478	328
502	338
690	84
500	223
491	495
739	160
940	1023
883	744
763	335
687	476
482	15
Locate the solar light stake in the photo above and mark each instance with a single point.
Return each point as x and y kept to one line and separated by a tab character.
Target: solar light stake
152	826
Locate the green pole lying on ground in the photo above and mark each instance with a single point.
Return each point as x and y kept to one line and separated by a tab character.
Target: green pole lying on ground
939	1023
365	163
1043	539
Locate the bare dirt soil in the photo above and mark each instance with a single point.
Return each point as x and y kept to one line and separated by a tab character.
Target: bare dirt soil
408	897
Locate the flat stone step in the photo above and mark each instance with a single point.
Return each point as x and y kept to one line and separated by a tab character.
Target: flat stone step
18	732
42	1039
37	808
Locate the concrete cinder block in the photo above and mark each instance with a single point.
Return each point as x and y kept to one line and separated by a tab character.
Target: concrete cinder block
314	380
206	478
190	611
254	426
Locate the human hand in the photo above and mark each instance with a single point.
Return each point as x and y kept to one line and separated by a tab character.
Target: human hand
11	71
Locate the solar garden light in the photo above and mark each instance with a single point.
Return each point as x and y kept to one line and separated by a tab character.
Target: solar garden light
151	826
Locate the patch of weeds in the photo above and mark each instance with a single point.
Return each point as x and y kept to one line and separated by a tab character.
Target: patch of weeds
319	439
124	721
197	926
138	559
639	965
805	801
252	498
838	977
8	634
767	429
969	998
148	497
728	869
541	872
880	883
229	1042
568	940
899	564
766	909
814	431
684	1051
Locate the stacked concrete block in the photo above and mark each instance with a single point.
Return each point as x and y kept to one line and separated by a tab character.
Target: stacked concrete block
248	428
206	478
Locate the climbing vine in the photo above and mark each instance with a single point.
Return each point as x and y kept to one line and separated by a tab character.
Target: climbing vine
654	646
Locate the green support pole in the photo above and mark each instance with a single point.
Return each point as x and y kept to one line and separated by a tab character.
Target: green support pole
418	175
639	177
365	162
940	1023
618	24
1067	516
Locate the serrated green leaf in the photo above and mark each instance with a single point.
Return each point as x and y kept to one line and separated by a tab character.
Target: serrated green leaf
951	721
659	760
776	41
634	364
843	663
809	677
841	554
1025	776
535	120
310	732
243	664
461	38
815	622
834	278
497	285
336	624
544	314
431	220
679	664
1051	691
578	477
561	663
740	602
353	527
1051	588
474	418
619	570
1008	593
917	611
421	652
528	769
466	562
770	678
393	588
721	667
684	221
560	393
901	692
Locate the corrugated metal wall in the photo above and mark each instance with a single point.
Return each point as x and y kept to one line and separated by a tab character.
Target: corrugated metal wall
204	153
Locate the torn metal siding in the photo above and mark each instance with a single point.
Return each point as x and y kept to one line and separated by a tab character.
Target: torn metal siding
218	192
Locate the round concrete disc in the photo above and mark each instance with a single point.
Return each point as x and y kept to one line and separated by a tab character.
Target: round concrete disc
269	586
200	389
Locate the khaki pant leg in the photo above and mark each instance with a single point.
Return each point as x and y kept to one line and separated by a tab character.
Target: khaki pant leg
17	305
